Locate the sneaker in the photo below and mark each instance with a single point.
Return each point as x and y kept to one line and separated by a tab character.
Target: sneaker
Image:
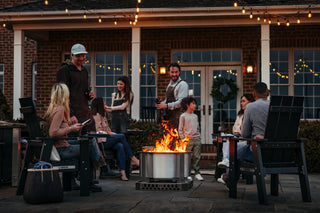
189	178
95	188
198	177
223	179
224	164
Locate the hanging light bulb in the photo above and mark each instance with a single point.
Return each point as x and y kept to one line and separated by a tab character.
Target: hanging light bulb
66	10
278	22
84	16
243	10
288	23
4	25
309	14
137	9
258	18
269	21
298	20
251	16
46	2
134	23
139	1
115	22
100	20
130	22
136	16
264	19
235	4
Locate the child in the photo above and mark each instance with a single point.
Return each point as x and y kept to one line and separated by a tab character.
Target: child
189	127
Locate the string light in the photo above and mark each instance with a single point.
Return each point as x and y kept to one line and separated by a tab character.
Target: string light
136	16
100	20
115	20
269	21
309	14
67	11
278	22
287	23
258	18
84	16
251	16
235	4
138	10
264	19
46	2
298	20
243	10
139	1
4	25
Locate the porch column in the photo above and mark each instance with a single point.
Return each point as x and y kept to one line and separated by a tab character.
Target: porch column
265	54
18	71
135	58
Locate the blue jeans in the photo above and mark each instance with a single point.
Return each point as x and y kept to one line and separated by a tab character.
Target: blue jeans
94	148
69	152
122	139
117	146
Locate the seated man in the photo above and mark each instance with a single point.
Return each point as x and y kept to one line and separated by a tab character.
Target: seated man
254	121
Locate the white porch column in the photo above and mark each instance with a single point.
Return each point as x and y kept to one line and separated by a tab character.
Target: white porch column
265	54
18	71
135	58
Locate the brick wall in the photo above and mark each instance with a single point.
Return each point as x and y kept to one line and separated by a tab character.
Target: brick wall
6	57
162	41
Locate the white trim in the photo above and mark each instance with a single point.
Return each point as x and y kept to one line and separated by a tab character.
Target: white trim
18	71
265	54
135	61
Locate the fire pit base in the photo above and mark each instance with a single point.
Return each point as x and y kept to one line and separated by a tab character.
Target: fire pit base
161	186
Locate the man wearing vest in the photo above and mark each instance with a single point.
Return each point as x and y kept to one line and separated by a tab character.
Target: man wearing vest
176	91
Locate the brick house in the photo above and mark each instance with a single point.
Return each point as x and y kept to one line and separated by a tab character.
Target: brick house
210	40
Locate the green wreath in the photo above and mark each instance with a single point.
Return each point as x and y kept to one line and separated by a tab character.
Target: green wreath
215	92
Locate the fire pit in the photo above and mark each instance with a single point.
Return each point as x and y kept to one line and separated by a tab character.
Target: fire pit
168	166
164	167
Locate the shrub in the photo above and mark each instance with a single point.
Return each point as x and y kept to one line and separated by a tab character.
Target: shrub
5	110
310	131
148	138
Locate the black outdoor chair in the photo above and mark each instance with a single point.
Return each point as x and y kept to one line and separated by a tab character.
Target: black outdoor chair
40	148
280	152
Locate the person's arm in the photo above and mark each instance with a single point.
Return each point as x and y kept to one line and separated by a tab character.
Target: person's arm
246	129
181	127
55	129
122	106
181	91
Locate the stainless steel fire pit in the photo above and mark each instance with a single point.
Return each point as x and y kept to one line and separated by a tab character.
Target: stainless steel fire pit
174	166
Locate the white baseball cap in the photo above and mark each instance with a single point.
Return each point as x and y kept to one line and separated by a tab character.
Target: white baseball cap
78	49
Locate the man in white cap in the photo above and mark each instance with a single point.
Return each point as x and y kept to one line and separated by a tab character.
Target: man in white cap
75	76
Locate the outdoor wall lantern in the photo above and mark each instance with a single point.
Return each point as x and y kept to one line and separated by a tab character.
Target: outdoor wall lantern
249	69
163	70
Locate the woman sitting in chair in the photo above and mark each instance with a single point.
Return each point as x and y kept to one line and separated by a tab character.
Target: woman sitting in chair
58	116
117	142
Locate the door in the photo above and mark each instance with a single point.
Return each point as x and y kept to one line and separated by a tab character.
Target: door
210	111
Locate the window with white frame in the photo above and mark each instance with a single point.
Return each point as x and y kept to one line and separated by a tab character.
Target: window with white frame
297	72
1	76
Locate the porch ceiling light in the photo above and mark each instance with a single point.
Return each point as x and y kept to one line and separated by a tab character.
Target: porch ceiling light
163	70
249	69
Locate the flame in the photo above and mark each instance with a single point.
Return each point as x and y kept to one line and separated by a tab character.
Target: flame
170	139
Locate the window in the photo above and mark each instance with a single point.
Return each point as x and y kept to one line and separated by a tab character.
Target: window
1	76
303	79
109	67
207	56
147	84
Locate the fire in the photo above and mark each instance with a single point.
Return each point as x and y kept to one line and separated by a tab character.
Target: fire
170	139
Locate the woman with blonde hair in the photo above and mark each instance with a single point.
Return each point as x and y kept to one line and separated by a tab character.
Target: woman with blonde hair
58	116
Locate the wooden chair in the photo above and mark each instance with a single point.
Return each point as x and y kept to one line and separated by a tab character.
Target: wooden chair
40	148
280	152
